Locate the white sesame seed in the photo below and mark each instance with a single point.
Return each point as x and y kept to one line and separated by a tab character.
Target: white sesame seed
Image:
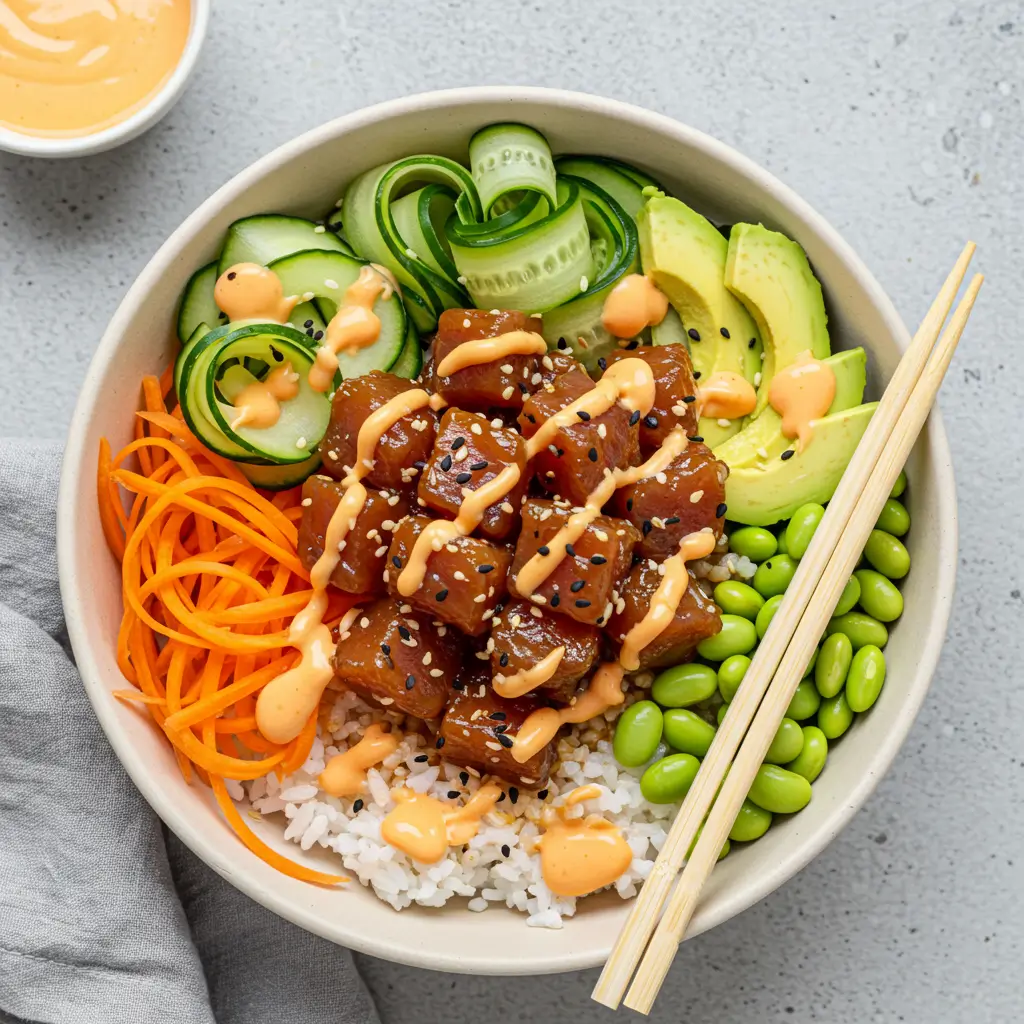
762	453
479	599
679	410
546	363
583	283
475	428
332	455
412	624
506	394
405	608
461	454
696	496
308	296
319	229
494	312
393	500
724	421
341	546
427	658
601	535
496	422
507	507
300	443
507	367
466	322
491	745
662	478
306	502
461	279
757	380
602	430
536	613
436	673
364	622
381	551
330	283
411	254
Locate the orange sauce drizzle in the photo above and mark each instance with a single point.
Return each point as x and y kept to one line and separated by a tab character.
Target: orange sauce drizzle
726	395
800	394
247	291
259	404
490	350
633	304
345	774
528	679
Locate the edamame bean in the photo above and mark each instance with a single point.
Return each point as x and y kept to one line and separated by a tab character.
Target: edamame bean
696	839
867	674
751	823
730	675
753	542
738	598
766	614
782	545
780	791
878	596
900	486
772	577
720	714
835	716
687	732
887	554
894	518
637	733
682	685
787	744
669	779
849	597
812	758
833	664
805	702
738	636
801	528
860	628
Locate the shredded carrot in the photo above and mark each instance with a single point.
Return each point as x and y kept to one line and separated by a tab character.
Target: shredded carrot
211	577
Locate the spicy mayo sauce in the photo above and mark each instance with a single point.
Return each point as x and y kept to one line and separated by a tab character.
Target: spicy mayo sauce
74	67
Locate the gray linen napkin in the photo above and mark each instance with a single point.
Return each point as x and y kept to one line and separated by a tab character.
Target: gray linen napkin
105	917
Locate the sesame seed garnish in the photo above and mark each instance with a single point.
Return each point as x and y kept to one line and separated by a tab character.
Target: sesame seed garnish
476	467
508	392
306	502
485	568
696	374
570	550
458	443
788	454
582	603
696	496
410	682
577	586
420	758
357	806
499	716
439	742
672	520
463	478
629	504
662	478
583	415
694	333
555	600
507	368
689	398
598	560
634	419
506	741
318	336
721	510
542	795
543	550
440	595
446	463
602	362
647	527
506	850
396	561
308	323
752	343
592	455
513	794
696	438
404	633
723	331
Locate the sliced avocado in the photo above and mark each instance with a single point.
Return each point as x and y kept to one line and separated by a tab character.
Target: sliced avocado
670	331
770	275
685	255
763	494
762	438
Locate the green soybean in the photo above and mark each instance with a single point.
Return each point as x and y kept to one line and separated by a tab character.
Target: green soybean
637	733
787	744
849	597
720	714
805	702
737	636
751	823
774	576
878	596
669	779
780	791
682	685
833	664
887	554
766	614
813	756
835	716
730	675
900	486
862	629
696	839
753	542
782	546
738	598
687	732
894	518
801	527
867	674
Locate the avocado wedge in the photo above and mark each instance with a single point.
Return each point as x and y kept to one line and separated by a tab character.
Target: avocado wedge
762	439
764	493
685	255
770	275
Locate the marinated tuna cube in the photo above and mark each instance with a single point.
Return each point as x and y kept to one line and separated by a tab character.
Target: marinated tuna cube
525	635
464	582
688	496
554	364
477	730
574	463
403	448
585	583
401	661
470	452
363	556
696	618
496	384
675	392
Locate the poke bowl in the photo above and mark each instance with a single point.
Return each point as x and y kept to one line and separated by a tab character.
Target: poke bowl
349	713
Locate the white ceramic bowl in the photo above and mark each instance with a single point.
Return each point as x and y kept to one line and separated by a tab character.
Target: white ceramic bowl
142	120
305	177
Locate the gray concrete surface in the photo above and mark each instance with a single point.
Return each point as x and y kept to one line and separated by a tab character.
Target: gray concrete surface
901	122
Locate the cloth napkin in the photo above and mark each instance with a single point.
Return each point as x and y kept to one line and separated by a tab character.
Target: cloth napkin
104	916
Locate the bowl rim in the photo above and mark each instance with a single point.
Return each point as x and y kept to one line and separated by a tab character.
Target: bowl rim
58	147
76	461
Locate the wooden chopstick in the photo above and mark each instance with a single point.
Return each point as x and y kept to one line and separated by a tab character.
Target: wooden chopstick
683	902
643	917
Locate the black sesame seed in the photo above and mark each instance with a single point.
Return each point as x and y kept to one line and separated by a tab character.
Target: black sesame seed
555	601
420	758
503	660
629	504
577	586
522	387
458	443
788	454
463	478
634	419
309	332
446	463
570	550
478	466
592	455
696	374
232	276
453	794
506	850
647	527
531	417
559	452
464	777
562	343
689	398
721	510
439	742
410	682
543	550
499	729
485	569
404	633
752	343
420	464
440	595
502	797
513	794
357	806
603	363
386	648
632	345
458	684
695	437
396	561
582	603
599	620
542	795
651	422
583	415
597	559
308	323
672	520
768	563
499	716
723	331
318	335
505	741
694	333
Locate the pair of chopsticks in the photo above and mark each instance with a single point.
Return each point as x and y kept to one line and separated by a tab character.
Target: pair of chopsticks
779	662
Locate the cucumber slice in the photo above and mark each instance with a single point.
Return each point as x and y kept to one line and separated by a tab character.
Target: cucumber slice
509	158
327	275
267	237
608	177
420	218
197	305
670	331
642	178
280	478
202	331
410	360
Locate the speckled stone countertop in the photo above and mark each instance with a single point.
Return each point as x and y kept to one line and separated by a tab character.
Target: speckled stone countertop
902	124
